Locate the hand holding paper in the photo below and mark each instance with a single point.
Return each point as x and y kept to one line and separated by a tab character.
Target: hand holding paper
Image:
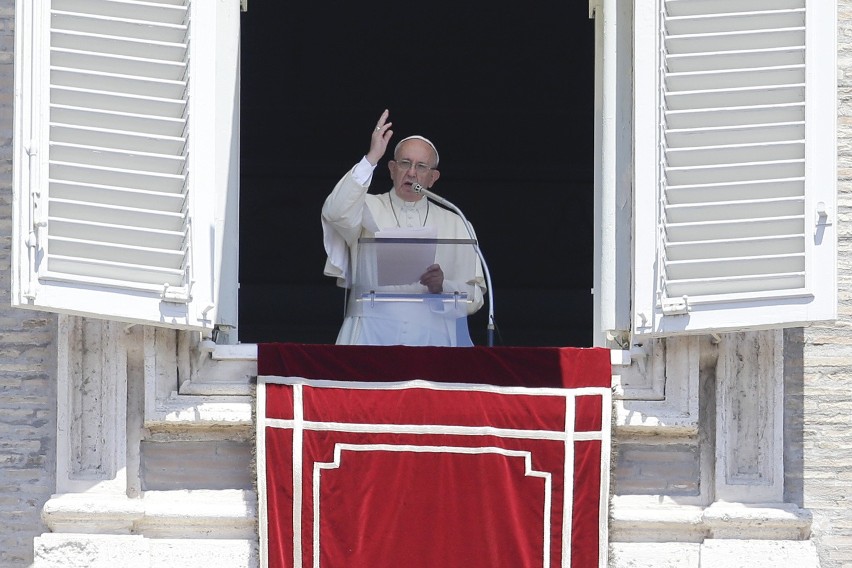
433	279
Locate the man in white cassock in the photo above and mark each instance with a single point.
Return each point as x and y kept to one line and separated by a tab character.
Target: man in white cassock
430	309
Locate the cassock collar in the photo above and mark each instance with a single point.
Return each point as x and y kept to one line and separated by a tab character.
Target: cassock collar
400	204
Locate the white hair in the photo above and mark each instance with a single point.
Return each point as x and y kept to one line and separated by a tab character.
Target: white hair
417	137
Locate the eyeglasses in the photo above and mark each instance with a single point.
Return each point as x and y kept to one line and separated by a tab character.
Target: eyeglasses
419	167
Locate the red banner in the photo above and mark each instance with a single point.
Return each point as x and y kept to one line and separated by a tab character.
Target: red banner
441	467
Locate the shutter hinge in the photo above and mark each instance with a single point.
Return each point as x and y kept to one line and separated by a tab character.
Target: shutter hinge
32	247
35	197
177	294
675	306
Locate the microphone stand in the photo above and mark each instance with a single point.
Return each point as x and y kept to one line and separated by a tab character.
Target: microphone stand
438	199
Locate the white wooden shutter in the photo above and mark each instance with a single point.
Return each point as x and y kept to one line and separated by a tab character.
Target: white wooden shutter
112	218
734	164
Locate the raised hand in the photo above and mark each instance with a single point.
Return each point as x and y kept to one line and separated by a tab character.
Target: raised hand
379	139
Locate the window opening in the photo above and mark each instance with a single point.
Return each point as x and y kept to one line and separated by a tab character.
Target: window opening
506	94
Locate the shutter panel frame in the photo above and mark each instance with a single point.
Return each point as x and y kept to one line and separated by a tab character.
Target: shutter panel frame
117	214
735	201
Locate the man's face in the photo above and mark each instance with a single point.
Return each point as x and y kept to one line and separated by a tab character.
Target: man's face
420	159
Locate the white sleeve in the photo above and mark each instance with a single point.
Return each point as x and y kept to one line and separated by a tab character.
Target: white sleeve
342	216
363	171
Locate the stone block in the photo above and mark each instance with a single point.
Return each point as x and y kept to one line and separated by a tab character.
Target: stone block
732	553
204	553
66	550
654	555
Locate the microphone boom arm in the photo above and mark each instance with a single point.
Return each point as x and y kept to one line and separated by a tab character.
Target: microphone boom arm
438	199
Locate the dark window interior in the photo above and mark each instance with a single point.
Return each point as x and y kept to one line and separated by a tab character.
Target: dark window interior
505	92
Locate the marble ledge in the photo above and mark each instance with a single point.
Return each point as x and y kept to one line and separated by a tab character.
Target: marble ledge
633	522
225	514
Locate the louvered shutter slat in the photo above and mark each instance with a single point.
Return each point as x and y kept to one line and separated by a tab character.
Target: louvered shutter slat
727	21
106	157
119	65
735	41
731	78
734	210
124	216
704	7
749	246
133	123
125	84
72	172
159	11
84	98
741	116
734	60
115	273
117	46
106	195
131	29
755	284
117	139
734	154
724	173
736	97
116	253
717	136
744	266
111	233
776	188
710	230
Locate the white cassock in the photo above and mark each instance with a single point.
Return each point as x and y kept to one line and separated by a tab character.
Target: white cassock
350	213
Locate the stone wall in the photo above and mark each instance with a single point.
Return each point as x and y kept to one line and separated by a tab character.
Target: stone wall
27	364
826	394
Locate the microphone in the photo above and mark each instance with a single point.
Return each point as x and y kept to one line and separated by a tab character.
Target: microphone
432	195
437	198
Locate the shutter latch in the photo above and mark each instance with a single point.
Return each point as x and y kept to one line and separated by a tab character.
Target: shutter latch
675	306
823	217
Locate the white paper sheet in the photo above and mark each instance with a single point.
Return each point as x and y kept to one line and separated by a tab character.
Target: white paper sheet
404	263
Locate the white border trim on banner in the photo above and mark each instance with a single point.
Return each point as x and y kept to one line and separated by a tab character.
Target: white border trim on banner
528	471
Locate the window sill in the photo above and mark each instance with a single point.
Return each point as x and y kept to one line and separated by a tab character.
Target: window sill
221	388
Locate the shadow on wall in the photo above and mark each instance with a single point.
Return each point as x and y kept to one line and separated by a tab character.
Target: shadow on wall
794	416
